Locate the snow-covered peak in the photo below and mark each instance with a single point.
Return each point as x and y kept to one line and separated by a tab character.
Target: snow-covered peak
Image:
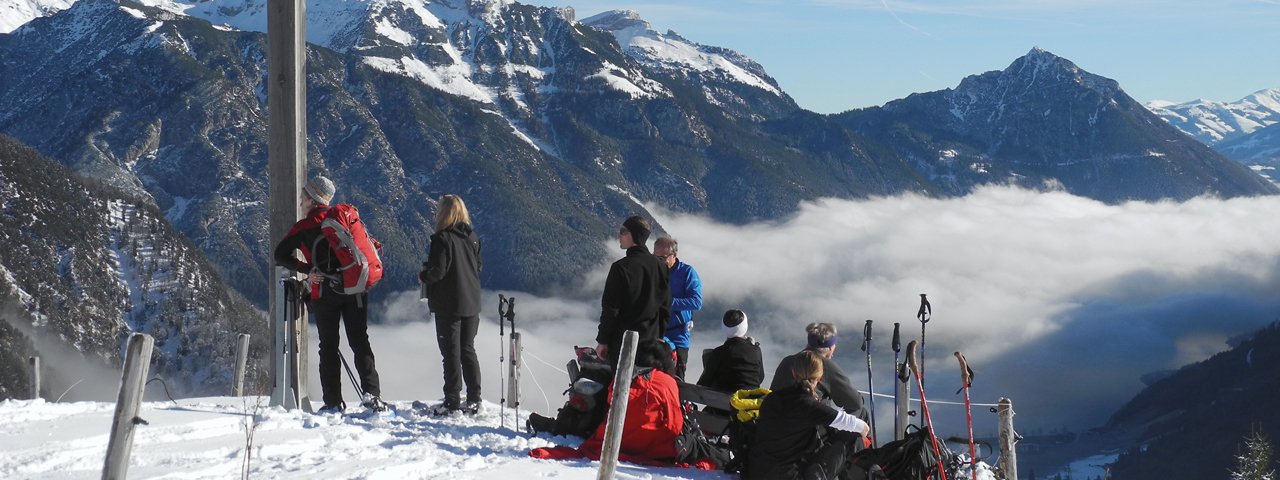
1213	122
672	51
16	13
616	20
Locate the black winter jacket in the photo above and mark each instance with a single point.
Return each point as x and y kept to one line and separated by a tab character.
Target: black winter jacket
734	365
637	296
789	430
834	385
452	272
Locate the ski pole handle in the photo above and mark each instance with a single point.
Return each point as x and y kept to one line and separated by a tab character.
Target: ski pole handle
926	310
511	313
966	373
866	336
897	341
911	356
502	312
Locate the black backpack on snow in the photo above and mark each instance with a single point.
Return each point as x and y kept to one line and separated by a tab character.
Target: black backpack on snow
911	458
587	406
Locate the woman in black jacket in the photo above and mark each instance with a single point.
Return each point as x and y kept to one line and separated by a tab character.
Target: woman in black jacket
799	436
451	275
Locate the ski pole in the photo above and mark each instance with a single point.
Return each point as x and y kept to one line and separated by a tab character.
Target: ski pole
502	359
354	381
871	384
513	365
924	405
925	312
897	347
966	381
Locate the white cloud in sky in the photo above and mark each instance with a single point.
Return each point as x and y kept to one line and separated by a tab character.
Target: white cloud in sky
1030	285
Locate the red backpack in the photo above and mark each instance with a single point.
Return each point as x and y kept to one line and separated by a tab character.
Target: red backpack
359	263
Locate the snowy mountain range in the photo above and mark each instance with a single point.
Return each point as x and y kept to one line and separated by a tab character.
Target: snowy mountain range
552	128
1244	130
1043	119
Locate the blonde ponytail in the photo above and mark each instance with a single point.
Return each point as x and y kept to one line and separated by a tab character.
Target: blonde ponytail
807	370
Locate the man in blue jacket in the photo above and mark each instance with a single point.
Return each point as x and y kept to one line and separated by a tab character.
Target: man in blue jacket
686	297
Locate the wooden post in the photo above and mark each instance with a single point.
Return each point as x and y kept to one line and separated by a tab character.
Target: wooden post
242	358
134	377
618	408
1008	440
34	362
286	149
902	396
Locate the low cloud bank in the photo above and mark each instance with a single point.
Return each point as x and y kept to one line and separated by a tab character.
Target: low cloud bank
1060	303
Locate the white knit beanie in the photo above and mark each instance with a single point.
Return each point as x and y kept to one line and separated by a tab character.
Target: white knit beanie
738	329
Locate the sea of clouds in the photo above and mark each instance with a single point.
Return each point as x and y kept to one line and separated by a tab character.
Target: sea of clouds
1060	303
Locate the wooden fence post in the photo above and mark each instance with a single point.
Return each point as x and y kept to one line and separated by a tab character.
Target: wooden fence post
136	363
242	359
618	408
1008	439
34	362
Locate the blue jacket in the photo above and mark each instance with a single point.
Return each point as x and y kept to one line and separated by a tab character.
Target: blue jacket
686	297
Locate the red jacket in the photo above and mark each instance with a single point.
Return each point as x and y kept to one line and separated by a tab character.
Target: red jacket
653	421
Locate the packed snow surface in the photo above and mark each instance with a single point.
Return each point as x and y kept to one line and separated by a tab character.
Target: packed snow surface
206	437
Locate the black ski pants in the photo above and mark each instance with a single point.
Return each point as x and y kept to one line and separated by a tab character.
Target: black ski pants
457	339
831	460
682	362
352	311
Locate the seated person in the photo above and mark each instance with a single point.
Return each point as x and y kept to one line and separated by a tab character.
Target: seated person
835	385
654	416
800	436
736	364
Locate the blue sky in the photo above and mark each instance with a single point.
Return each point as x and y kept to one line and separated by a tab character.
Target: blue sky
834	55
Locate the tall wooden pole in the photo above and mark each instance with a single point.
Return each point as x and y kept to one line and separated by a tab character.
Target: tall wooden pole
286	151
137	360
618	407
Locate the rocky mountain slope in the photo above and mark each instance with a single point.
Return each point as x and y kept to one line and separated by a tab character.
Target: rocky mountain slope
84	266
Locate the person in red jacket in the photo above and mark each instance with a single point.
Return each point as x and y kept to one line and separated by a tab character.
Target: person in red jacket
654	418
330	306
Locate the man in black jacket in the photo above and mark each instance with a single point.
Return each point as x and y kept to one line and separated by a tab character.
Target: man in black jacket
637	295
736	364
835	385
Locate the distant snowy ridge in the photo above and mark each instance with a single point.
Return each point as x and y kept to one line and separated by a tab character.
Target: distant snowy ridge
640	41
1212	122
15	13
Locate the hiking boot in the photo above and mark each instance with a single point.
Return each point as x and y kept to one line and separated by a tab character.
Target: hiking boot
374	403
445	408
472	408
332	409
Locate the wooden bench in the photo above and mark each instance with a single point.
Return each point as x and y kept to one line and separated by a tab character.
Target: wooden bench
712	423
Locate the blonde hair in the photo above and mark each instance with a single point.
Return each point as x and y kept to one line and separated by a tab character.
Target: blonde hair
807	370
452	211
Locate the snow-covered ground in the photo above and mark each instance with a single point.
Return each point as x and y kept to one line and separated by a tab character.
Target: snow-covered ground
205	438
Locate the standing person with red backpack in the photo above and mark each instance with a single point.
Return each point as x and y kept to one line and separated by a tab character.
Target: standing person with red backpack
451	275
338	291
